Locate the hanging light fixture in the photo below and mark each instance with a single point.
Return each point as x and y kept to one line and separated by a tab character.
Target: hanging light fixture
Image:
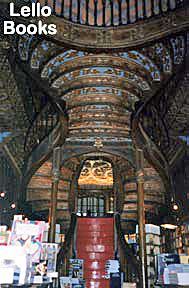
169	222
175	207
169	226
13	205
2	194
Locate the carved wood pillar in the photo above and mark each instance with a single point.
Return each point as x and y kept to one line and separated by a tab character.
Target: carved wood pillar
118	190
141	217
73	195
56	163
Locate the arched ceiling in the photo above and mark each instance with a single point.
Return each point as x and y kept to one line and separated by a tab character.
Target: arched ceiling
101	89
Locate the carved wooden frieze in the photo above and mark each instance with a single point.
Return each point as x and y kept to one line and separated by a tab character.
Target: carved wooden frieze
120	37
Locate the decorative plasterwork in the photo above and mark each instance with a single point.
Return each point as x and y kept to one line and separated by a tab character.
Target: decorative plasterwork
72	59
96	172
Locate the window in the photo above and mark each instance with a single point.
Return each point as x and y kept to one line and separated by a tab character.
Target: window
91	206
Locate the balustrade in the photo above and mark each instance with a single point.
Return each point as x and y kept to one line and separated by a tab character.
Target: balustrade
108	12
41	126
153	114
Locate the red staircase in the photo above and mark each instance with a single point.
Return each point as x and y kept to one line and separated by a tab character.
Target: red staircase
95	245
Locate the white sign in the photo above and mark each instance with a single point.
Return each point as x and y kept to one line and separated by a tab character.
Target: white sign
27	229
112	266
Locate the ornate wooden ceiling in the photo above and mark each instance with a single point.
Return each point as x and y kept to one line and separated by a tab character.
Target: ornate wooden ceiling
102	86
101	89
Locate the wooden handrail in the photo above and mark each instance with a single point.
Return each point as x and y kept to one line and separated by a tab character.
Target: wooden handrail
66	246
150	117
44	122
131	259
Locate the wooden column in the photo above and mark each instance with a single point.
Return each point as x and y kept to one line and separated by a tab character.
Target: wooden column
118	190
56	163
141	217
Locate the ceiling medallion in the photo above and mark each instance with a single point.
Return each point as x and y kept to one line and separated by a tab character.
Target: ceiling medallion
98	143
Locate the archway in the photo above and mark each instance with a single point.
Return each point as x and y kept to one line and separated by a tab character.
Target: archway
95	188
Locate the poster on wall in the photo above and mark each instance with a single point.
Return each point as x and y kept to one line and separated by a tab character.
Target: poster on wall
112	266
76	268
28	234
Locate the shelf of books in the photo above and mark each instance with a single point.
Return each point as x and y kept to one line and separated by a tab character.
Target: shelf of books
180	239
152	248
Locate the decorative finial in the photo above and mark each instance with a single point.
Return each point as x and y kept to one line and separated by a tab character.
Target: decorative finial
98	143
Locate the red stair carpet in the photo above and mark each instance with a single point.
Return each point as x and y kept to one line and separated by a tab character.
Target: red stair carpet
95	245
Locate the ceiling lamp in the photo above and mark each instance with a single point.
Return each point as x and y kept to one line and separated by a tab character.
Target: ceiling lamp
13	205
175	207
2	194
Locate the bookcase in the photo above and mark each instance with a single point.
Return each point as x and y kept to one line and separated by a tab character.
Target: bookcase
152	248
180	239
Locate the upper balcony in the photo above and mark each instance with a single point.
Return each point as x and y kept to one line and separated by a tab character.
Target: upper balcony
115	24
106	13
111	24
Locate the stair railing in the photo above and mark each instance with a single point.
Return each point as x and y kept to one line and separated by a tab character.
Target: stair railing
66	246
133	266
149	128
44	122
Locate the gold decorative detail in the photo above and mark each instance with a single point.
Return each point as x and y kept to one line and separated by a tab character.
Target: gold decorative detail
96	172
98	143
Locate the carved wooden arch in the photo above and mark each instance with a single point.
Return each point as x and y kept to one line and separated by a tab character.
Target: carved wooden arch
99	60
87	153
104	81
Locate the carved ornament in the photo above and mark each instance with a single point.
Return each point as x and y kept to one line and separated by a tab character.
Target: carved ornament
128	36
